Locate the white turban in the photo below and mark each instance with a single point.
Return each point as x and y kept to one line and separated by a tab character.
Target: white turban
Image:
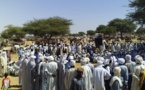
72	63
88	59
121	61
128	58
83	61
139	59
70	57
100	60
50	58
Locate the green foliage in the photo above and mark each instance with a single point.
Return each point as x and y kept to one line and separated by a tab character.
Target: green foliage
138	11
50	26
81	33
11	31
100	28
122	25
91	32
109	30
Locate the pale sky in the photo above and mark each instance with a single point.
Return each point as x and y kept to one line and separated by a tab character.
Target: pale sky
85	14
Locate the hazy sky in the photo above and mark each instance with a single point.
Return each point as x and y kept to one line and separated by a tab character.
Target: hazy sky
85	14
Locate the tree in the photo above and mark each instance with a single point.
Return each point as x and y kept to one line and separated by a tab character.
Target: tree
51	26
122	25
100	28
138	12
91	32
109	30
81	33
11	31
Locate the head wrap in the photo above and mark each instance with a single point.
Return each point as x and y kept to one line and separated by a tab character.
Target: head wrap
128	58
70	57
138	59
50	58
72	63
121	61
84	61
100	61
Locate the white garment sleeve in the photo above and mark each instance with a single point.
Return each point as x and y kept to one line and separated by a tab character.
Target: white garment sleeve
48	72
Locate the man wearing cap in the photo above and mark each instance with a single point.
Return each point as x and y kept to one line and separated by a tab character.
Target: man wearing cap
99	74
31	64
70	74
51	72
87	74
124	72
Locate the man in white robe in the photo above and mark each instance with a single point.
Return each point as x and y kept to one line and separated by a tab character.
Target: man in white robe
30	66
99	75
3	65
51	71
70	74
87	74
23	73
137	69
129	63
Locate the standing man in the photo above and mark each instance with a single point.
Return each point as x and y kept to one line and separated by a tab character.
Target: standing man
3	65
78	82
30	66
70	74
99	75
51	71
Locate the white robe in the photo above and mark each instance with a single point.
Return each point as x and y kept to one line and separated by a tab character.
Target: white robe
23	73
3	66
87	74
51	69
130	65
98	77
135	78
70	74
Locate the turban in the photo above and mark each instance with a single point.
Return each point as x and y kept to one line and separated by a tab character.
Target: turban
100	60
83	61
139	59
50	58
70	57
72	63
128	58
121	61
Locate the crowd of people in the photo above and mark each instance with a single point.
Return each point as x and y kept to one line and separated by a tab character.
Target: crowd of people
104	66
